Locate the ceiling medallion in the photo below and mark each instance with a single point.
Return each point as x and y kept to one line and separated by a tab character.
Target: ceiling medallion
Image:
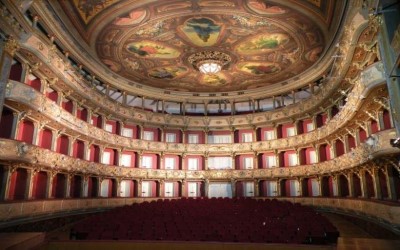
209	62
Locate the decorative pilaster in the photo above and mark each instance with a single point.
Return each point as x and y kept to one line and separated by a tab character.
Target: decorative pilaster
118	181
161	189
67	189
363	181
233	186
256	188
377	183
255	160
206	187
350	182
29	183
183	188
388	171
301	190
49	186
5	189
183	165
139	188
85	186
7	52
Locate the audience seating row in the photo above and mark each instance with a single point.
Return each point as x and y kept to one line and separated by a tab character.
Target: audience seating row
215	219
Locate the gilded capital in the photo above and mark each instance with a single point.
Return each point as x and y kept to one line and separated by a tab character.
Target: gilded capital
11	46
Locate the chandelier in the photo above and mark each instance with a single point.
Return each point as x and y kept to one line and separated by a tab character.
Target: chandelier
209	62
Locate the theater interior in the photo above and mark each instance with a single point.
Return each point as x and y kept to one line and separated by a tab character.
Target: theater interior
202	124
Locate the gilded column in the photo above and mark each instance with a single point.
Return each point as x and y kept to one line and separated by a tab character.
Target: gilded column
183	133
346	143
320	183
332	147
162	135
363	182
381	124
101	153
377	183
205	135
86	150
206	161
278	187
37	127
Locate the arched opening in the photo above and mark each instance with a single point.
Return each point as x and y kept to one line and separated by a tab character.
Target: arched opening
383	184
370	185
93	187
62	145
34	82
82	114
16	71
6	123
325	186
344	186
357	186
67	105
363	135
45	138
374	127
59	184
76	186
352	142
94	153
52	94
18	184
25	133
79	149
339	148
39	185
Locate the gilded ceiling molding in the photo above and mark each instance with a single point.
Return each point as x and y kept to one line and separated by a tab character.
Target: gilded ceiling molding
180	96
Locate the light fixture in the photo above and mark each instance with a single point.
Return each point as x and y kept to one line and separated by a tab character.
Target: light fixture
209	62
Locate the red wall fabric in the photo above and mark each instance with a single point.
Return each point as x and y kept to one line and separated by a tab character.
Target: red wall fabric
39	185
386	120
45	138
18	184
339	148
59	186
68	106
62	145
52	95
35	84
25	133
78	149
82	114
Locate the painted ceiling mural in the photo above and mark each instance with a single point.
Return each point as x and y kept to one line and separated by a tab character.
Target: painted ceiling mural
150	44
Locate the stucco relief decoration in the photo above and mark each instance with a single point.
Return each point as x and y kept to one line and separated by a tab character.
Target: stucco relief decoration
151	44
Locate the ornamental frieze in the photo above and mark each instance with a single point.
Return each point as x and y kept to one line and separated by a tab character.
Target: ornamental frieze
32	156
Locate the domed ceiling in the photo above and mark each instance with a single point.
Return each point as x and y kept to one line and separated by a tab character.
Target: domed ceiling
154	42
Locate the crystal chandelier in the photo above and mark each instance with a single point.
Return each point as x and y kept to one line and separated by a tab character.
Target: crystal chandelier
209	62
